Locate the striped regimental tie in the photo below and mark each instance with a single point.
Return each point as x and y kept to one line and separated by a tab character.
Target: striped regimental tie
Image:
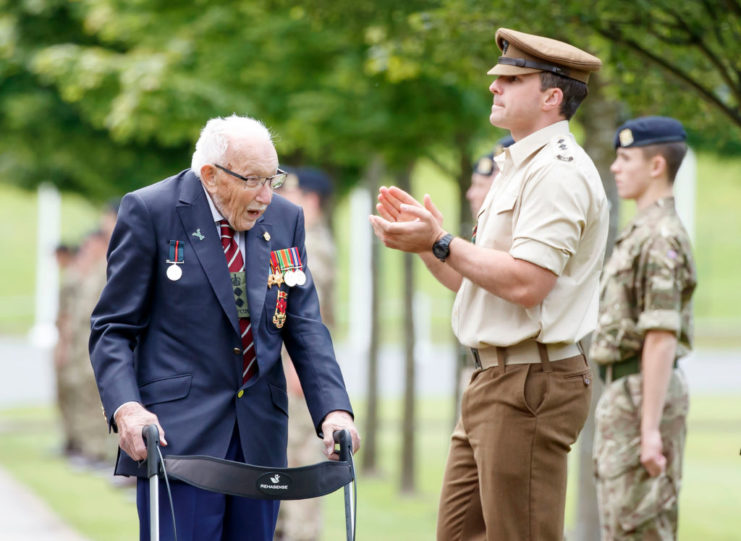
236	264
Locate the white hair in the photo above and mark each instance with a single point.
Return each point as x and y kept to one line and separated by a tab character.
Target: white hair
216	135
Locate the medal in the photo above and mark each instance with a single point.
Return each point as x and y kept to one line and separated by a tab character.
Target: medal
290	278
287	263
174	272
276	278
177	257
279	316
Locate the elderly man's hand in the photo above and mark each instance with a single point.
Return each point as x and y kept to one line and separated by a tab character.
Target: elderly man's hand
130	419
334	421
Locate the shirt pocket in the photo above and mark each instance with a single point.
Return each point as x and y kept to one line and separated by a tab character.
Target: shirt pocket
496	222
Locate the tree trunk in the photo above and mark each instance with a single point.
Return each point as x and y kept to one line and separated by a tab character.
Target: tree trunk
370	440
599	119
408	478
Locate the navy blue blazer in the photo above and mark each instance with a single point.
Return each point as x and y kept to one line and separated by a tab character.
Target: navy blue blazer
174	346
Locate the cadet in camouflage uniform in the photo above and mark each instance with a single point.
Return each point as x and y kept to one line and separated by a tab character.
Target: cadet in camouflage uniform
301	520
645	325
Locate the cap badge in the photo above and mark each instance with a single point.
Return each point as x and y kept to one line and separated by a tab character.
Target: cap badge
626	137
505	46
485	166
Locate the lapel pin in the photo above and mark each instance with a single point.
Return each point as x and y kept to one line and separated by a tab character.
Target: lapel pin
266	236
197	234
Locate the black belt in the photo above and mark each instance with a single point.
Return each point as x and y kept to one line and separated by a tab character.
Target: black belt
623	368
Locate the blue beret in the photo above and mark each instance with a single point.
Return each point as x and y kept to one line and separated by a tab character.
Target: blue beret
649	130
485	164
309	179
503	143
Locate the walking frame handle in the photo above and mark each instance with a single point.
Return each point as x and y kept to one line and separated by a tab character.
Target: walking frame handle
345	440
152	440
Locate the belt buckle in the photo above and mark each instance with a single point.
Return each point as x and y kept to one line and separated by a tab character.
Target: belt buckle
476	358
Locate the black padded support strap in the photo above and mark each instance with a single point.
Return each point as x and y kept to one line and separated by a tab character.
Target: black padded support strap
246	480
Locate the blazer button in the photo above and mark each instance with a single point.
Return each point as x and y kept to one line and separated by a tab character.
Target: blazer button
240	394
237	351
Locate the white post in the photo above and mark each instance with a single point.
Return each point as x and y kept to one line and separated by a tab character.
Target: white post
360	282
685	192
44	331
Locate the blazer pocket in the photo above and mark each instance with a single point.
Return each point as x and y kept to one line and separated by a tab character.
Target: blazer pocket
279	398
165	389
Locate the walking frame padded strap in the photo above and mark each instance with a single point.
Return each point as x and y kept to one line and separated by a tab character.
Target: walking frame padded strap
260	482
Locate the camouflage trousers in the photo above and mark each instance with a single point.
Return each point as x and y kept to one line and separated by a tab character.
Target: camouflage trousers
633	505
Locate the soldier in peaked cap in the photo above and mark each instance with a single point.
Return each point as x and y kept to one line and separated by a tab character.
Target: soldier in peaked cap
526	294
645	326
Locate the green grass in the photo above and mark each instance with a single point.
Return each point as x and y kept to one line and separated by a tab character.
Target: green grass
709	504
18	224
29	443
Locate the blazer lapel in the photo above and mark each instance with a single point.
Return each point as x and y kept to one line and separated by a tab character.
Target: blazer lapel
195	215
257	252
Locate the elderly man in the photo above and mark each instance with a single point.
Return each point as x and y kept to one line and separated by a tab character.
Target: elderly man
207	278
526	294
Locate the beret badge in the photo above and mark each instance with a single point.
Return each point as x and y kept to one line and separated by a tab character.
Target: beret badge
626	137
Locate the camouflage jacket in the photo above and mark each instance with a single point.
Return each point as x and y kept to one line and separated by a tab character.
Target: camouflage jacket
647	284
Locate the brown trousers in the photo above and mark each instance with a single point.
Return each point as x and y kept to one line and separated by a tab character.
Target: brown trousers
505	479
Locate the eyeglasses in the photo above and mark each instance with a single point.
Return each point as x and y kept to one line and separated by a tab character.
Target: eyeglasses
275	182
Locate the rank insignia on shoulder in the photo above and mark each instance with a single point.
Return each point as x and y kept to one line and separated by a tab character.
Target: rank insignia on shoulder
562	149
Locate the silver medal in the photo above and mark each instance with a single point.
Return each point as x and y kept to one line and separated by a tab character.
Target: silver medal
174	272
300	277
290	278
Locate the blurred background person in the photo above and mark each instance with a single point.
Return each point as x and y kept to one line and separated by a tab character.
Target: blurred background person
484	172
301	520
91	441
68	292
645	327
87	441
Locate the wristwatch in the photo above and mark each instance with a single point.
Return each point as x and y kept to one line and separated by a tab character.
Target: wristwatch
441	248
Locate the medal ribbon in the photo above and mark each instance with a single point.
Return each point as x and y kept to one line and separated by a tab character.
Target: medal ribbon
285	260
296	258
176	252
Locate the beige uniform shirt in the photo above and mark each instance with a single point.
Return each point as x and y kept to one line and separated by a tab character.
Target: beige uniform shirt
548	207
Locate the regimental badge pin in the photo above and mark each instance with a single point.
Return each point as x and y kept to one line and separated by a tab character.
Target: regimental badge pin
266	236
197	234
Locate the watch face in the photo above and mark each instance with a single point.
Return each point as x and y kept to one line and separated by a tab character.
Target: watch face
441	249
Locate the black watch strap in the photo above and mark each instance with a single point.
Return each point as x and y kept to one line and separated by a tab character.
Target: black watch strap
441	247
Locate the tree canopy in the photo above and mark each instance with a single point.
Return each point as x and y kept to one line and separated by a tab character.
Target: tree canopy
101	96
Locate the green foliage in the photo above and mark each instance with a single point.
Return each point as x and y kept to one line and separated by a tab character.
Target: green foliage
102	96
